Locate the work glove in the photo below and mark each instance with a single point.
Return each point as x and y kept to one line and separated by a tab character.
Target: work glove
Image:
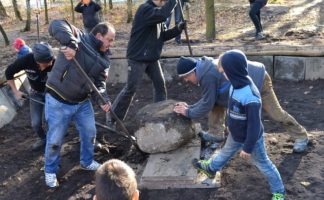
182	25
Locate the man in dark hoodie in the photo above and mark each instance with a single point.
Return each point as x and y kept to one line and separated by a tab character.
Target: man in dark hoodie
214	99
244	124
68	92
148	35
90	16
36	65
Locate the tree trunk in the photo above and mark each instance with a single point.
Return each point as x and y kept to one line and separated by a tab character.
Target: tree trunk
105	6
210	20
110	4
28	21
17	12
46	12
72	10
129	11
4	35
3	12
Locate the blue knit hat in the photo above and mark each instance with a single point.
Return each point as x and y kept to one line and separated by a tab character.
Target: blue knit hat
186	65
43	52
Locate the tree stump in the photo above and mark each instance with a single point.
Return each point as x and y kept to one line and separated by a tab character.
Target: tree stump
159	129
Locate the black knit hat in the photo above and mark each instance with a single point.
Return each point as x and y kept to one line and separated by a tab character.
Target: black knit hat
43	52
186	65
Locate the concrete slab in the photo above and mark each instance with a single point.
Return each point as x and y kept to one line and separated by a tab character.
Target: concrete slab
289	68
266	60
314	68
174	170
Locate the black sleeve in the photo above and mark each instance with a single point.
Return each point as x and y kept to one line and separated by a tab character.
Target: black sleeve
253	126
79	8
17	66
66	34
97	6
100	83
171	33
154	15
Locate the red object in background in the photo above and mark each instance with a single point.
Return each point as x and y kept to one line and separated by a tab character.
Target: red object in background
18	43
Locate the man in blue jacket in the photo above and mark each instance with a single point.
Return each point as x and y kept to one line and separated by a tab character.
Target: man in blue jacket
215	93
68	92
148	35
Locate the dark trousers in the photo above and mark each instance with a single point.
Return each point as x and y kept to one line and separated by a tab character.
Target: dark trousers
135	73
255	14
36	113
177	19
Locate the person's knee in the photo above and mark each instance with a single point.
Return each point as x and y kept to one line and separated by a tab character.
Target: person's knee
252	13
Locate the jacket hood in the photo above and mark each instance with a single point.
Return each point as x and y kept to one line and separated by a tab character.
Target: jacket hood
234	63
204	64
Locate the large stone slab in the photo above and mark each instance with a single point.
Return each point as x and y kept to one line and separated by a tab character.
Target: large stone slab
174	170
160	129
266	60
314	68
7	108
289	68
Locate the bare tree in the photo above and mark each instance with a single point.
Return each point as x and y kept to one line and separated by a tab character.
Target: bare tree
17	12
110	4
129	11
4	35
72	10
46	12
28	21
3	12
105	6
210	20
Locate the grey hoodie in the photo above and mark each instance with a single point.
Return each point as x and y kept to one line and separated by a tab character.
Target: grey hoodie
210	80
215	90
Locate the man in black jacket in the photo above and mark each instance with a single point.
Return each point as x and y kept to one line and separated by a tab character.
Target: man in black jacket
68	92
89	10
148	34
36	65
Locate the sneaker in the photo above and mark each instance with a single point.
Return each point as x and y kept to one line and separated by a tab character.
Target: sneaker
39	145
278	196
260	36
203	166
51	180
300	145
92	167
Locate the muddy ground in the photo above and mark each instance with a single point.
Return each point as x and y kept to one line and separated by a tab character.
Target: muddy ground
298	22
303	174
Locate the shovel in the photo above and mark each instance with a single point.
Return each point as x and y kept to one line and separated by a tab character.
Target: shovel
113	114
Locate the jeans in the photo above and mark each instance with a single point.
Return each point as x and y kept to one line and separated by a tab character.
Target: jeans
255	14
58	116
259	159
36	113
135	72
177	19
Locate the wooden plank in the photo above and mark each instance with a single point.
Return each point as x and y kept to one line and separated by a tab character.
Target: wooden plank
250	50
